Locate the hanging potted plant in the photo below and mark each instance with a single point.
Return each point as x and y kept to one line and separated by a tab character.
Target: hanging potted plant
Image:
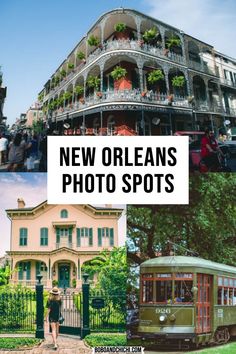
63	73
79	90
93	82
81	56
173	41
150	36
70	66
155	76
93	41
178	81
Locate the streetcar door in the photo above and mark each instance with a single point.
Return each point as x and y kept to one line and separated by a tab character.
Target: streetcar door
203	304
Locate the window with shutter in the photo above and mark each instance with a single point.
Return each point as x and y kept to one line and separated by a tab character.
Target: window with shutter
44	236
99	236
112	237
23	236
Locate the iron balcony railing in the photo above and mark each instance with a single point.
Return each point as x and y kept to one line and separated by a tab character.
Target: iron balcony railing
202	67
228	82
133	96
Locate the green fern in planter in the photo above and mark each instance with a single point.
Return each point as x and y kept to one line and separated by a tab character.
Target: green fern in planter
79	90
173	42
67	96
57	80
118	73
81	55
120	27
178	81
93	82
150	35
155	76
63	73
70	66
93	41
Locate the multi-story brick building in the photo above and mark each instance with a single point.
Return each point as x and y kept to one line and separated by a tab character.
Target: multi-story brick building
56	240
133	74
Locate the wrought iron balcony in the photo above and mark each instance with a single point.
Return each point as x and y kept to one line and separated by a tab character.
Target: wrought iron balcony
202	67
132	96
227	82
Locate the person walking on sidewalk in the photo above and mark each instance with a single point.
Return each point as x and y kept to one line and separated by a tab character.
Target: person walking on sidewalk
54	313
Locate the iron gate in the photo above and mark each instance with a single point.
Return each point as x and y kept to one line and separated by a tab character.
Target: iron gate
71	311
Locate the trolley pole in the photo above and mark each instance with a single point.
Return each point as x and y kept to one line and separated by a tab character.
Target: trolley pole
39	309
85	330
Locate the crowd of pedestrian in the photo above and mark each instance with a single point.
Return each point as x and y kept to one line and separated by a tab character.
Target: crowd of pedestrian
23	152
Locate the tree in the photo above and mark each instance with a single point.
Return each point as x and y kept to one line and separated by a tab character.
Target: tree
37	126
111	267
206	226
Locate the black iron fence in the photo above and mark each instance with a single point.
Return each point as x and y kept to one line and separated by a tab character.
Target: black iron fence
71	312
17	312
107	312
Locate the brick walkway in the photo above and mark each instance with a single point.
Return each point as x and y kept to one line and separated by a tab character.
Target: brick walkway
66	345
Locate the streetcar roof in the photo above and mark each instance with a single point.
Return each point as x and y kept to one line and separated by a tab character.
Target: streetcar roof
184	261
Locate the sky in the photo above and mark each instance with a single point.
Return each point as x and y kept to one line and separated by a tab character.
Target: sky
32	188
36	36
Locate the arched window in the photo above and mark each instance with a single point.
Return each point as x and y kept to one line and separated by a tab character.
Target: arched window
64	214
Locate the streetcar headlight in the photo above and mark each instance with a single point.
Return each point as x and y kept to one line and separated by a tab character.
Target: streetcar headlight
162	318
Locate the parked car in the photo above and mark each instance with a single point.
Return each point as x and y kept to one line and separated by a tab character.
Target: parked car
195	138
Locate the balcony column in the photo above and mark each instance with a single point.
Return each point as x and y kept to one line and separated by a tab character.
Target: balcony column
140	70
101	75
102	26
207	93
138	22
166	72
187	83
183	49
221	99
162	33
85	79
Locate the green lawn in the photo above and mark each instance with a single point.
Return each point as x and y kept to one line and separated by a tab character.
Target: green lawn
18	343
224	349
105	339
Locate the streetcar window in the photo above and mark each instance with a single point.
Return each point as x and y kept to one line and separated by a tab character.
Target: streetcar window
164	291
183	291
147	291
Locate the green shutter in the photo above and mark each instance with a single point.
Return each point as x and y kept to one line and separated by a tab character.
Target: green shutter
20	271
23	236
58	235
26	237
99	236
78	237
112	237
90	237
46	236
38	266
70	235
28	265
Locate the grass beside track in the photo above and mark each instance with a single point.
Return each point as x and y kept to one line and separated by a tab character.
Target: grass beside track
224	349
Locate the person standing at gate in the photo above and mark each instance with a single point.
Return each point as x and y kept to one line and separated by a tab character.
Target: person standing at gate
54	313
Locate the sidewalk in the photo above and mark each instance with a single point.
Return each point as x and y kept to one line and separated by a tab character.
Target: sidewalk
66	345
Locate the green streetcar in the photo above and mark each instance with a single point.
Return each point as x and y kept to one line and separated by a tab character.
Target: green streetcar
187	301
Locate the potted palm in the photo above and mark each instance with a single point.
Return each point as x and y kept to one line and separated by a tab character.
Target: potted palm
172	42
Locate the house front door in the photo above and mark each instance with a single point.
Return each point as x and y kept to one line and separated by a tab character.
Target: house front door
64	276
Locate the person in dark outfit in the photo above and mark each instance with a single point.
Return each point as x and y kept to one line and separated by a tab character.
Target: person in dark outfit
53	313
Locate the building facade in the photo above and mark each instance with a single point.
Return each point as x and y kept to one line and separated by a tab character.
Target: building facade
87	94
56	240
